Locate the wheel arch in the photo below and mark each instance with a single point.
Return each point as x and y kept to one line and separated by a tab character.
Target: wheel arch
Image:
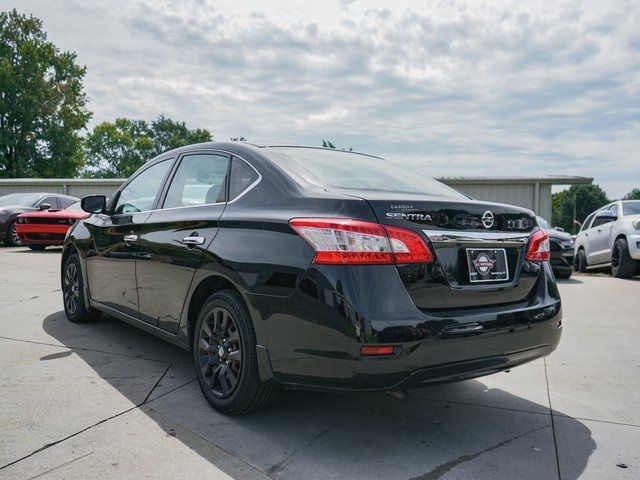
207	287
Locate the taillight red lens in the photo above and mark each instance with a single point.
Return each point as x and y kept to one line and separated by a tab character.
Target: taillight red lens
538	249
348	241
376	350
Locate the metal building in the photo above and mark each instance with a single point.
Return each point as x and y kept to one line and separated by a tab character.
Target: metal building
533	193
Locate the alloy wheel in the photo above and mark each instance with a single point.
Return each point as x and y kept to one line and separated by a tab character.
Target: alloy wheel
71	288
220	352
15	239
615	257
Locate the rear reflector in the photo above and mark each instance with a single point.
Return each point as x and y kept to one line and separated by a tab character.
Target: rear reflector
538	249
348	241
373	351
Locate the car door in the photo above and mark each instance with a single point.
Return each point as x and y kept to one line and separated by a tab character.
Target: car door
600	241
111	260
173	238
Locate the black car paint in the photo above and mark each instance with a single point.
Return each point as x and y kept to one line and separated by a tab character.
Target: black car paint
310	320
562	252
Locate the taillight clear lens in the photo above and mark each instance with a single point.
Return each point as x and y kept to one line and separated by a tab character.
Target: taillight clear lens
348	241
538	249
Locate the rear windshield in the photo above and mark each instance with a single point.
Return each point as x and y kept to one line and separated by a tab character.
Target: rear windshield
353	171
631	207
21	199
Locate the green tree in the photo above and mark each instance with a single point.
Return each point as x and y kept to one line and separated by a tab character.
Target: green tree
168	134
633	194
587	198
42	102
117	149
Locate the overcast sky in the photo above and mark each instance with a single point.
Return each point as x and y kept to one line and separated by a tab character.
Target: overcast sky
451	88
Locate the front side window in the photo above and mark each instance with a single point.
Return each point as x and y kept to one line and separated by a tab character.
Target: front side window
199	180
242	176
140	194
52	201
585	225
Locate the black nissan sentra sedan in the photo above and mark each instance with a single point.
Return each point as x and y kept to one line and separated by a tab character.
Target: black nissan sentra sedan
310	268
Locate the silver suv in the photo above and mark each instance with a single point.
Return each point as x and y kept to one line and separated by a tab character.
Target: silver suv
610	236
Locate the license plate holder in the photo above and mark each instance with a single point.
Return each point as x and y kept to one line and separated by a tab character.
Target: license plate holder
487	265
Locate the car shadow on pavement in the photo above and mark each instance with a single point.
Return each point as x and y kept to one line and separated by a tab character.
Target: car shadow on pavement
449	431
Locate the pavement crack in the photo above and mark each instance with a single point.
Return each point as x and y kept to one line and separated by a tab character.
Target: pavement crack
553	420
52	444
62	465
440	470
157	383
272	470
49	445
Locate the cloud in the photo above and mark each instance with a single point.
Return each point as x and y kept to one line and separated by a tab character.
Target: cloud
454	88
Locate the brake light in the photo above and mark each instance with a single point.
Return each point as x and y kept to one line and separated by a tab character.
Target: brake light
348	241
538	249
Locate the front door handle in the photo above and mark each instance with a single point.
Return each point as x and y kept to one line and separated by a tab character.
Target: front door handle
130	238
599	230
192	241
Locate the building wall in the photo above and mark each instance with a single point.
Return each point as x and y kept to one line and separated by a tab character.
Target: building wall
522	194
534	196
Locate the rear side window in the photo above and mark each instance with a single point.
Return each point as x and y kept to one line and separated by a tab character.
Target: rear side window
65	202
242	177
631	207
353	171
199	180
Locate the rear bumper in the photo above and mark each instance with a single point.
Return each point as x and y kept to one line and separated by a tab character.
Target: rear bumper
314	343
562	260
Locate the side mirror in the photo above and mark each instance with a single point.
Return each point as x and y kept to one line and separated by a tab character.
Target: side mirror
560	229
44	206
94	203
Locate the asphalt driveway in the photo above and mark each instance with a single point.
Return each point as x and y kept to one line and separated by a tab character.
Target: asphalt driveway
105	400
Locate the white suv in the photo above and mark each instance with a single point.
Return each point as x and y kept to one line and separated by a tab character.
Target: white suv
611	236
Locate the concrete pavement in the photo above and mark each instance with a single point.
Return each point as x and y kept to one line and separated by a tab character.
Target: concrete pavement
105	400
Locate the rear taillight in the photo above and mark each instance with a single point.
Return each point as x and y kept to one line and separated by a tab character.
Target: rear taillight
347	241
538	249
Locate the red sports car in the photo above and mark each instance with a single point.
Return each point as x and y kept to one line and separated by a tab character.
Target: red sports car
48	227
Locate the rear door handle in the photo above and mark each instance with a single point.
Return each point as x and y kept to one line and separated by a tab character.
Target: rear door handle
599	230
192	241
130	238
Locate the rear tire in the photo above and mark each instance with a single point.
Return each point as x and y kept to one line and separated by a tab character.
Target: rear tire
37	248
581	261
12	239
622	265
225	358
73	292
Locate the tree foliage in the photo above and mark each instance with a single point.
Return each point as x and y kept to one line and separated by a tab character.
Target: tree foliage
587	198
42	102
117	149
633	194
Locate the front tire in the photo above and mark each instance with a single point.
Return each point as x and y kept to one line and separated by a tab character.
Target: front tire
12	239
581	261
225	358
622	265
73	292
